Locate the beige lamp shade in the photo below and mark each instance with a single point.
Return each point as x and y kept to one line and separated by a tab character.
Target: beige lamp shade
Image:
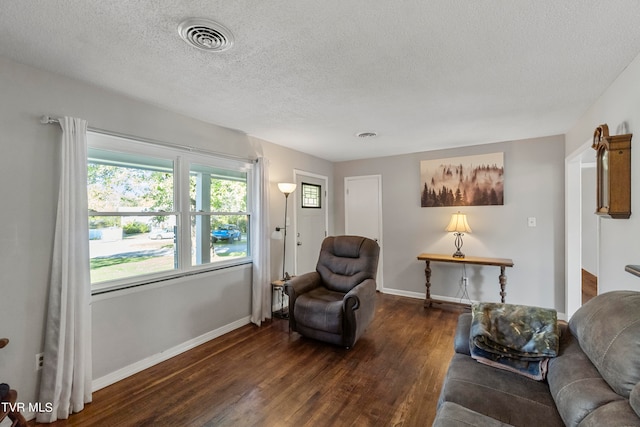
459	226
286	187
458	223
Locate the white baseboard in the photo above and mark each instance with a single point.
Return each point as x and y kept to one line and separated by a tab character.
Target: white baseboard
419	295
401	293
150	361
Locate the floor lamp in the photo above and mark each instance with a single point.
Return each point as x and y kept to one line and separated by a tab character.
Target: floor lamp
286	188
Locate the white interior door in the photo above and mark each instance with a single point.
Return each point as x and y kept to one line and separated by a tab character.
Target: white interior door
311	219
363	211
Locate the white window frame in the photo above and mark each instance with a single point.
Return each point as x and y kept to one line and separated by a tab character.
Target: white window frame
182	160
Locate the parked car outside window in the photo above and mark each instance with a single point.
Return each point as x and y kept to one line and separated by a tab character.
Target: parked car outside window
161	233
229	232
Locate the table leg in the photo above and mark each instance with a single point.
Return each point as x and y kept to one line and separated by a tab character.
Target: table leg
427	273
7	410
503	283
284	316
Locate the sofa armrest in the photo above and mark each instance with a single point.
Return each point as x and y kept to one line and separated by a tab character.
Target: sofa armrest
463	330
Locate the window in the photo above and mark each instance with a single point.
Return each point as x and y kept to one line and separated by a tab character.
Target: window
311	196
157	212
219	222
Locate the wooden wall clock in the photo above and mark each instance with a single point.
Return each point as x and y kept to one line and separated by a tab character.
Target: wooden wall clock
614	173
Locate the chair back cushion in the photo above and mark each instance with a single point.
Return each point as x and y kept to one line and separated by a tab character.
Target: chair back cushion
346	261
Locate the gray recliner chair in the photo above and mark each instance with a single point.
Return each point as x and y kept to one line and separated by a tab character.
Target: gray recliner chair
336	302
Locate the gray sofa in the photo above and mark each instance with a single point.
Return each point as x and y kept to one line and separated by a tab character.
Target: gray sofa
594	380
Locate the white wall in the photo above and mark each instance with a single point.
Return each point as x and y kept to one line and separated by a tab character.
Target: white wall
589	223
534	176
619	106
127	327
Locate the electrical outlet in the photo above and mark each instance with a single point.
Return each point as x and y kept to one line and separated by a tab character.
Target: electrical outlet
465	281
39	361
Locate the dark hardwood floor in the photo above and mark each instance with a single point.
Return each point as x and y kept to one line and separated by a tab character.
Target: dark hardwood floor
589	286
269	377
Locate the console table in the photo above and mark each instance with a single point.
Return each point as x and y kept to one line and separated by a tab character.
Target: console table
499	262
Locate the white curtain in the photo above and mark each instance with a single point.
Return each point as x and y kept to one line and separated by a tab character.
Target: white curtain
66	374
260	245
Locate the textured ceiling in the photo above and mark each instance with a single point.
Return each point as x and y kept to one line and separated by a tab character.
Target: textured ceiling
311	74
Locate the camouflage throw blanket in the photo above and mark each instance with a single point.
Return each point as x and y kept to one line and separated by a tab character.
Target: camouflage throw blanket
517	338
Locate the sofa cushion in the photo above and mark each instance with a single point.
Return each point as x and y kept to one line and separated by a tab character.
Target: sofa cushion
617	413
576	385
453	415
498	394
634	399
608	329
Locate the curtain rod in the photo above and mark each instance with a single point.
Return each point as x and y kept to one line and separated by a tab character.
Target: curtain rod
47	120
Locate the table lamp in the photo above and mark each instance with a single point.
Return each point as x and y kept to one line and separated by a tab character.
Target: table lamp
458	225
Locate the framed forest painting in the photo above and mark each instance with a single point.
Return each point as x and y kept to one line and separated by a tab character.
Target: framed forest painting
462	181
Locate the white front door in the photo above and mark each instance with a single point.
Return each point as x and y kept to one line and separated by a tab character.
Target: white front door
363	210
311	219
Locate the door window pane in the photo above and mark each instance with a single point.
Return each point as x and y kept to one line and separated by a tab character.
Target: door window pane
311	196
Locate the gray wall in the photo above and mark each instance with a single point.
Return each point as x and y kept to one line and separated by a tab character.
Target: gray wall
283	162
534	187
618	107
128	327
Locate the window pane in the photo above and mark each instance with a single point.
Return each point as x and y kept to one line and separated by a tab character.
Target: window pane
121	182
219	238
130	246
217	190
311	196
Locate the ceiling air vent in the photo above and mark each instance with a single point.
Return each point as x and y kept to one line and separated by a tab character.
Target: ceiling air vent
366	135
206	35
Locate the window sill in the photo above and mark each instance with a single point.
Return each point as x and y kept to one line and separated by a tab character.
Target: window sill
108	290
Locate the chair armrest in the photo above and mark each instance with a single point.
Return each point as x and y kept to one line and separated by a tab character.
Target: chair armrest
364	291
359	307
297	286
302	284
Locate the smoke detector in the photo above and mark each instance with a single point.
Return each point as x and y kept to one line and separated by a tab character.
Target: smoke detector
205	35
